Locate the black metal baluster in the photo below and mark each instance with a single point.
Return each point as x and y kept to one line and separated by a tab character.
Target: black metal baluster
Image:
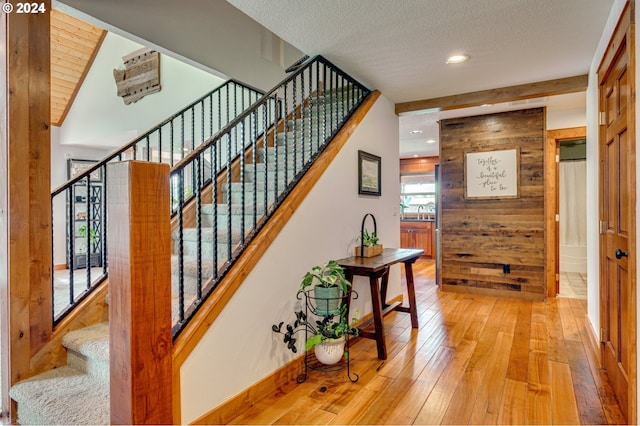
89	229
267	210
229	201
103	222
72	235
324	105
308	106
214	188
242	187
302	122
171	137
254	159
198	194
180	245
285	136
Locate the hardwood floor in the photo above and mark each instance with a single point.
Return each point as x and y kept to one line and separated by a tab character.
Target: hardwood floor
474	360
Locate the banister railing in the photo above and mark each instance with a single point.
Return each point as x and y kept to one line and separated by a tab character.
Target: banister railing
246	170
79	206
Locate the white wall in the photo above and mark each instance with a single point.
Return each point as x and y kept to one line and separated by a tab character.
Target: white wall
240	349
99	117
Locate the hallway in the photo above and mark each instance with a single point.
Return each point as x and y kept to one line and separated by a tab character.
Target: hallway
474	360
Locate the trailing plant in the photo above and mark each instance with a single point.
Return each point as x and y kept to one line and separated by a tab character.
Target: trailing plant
329	275
328	327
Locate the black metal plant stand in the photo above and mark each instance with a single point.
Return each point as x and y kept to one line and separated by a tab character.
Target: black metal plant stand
310	360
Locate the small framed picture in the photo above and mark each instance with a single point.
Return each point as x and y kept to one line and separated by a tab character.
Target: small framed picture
75	167
369	174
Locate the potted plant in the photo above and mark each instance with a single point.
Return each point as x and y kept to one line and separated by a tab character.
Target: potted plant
326	337
370	246
328	282
82	232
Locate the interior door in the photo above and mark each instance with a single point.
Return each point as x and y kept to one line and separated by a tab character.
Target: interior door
617	275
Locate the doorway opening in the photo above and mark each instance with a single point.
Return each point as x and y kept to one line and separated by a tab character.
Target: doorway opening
572	207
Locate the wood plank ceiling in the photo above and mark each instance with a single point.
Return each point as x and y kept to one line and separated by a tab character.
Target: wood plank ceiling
74	45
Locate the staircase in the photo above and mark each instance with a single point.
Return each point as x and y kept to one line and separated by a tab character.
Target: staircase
75	394
245	171
258	190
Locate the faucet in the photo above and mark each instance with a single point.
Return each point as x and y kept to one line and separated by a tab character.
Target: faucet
421	206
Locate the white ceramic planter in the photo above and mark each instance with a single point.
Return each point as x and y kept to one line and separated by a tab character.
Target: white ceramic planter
330	351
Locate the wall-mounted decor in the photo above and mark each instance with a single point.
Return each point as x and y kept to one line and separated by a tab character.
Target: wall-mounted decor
75	167
140	77
492	174
369	174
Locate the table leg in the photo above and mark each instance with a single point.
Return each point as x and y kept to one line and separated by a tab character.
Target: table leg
377	317
383	287
412	294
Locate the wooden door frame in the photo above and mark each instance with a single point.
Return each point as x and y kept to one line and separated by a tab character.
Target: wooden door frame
623	33
552	192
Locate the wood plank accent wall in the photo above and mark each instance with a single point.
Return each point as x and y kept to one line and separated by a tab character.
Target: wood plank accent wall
478	237
25	209
140	342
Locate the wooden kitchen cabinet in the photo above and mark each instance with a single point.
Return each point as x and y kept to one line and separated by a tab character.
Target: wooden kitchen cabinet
418	234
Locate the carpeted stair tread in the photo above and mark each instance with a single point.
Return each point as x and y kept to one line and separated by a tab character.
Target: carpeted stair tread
92	341
63	396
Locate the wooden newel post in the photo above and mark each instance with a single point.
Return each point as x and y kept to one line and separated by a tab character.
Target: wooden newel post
139	246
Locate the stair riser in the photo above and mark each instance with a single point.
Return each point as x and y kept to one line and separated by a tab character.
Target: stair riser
190	248
93	367
236	197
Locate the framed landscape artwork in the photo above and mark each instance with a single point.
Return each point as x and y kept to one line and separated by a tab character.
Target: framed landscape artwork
369	174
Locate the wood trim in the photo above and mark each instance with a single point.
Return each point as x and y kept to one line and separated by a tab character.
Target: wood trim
282	378
60	267
551	208
4	224
197	327
81	80
505	94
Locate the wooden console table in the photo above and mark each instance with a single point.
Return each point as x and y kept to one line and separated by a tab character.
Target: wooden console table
378	267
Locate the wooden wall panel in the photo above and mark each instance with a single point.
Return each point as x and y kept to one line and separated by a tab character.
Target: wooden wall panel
479	237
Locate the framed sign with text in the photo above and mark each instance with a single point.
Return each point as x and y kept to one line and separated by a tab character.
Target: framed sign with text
492	174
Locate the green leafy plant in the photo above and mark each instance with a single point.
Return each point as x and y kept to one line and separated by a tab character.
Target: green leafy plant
329	275
329	327
82	232
369	240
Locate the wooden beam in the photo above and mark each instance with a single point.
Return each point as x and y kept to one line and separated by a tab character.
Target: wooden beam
25	206
139	246
540	89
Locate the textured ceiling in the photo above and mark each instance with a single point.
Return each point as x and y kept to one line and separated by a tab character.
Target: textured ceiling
400	46
74	44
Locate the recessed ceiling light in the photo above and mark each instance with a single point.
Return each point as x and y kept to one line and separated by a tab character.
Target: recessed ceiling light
415	155
430	141
456	59
415	132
